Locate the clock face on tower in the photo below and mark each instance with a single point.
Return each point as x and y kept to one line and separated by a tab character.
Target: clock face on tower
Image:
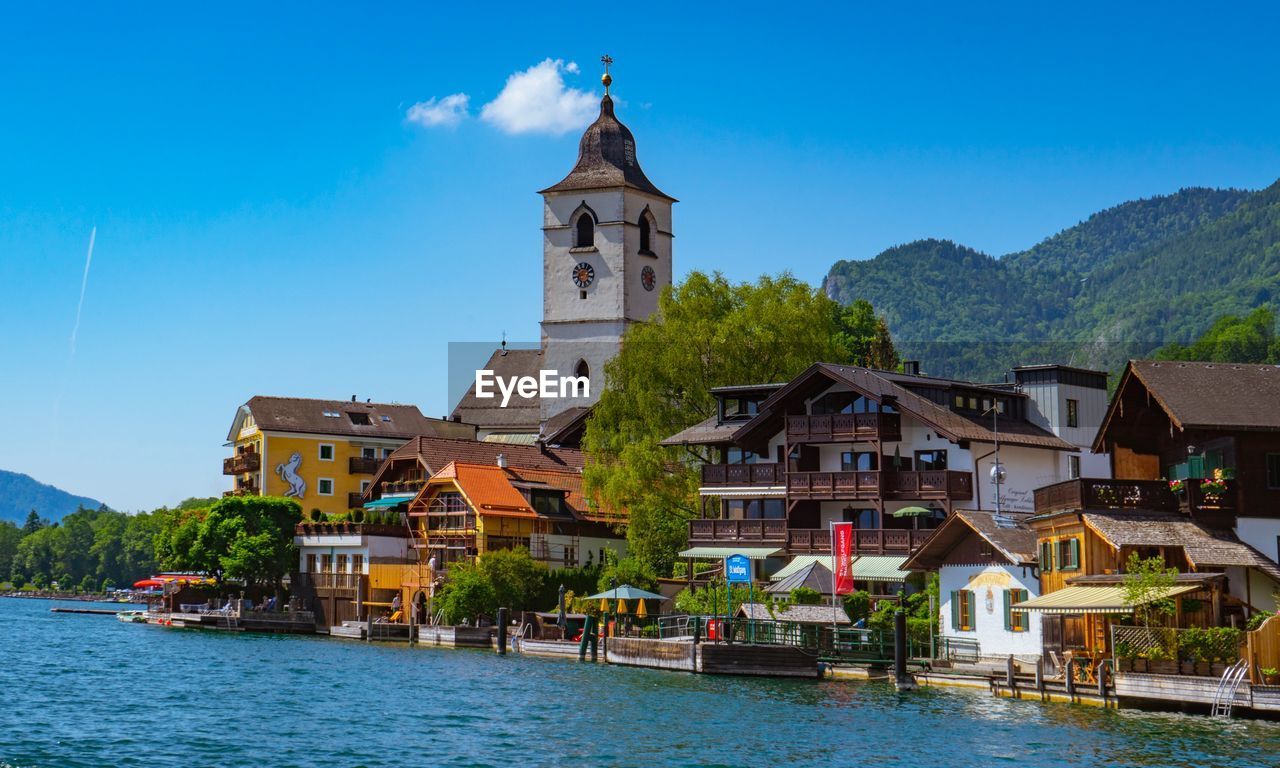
584	274
647	278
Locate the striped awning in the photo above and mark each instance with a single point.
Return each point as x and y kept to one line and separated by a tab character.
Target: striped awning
799	563
1082	599
879	568
720	553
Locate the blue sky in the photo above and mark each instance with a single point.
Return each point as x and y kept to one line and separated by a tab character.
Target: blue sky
270	220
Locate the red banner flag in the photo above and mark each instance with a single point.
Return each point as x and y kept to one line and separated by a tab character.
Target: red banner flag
842	554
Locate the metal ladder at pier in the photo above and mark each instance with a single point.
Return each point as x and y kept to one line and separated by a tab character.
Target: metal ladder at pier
1225	697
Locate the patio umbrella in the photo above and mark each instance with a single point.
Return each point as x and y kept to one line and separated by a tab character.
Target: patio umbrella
604	605
897	457
622	606
913	512
641	611
626	592
147	583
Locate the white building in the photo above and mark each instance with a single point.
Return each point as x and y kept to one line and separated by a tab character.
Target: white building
984	568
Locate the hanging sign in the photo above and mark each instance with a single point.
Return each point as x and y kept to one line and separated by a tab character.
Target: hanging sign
737	569
842	555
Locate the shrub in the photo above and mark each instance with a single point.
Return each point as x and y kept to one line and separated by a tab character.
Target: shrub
858	604
1256	620
316	515
356	516
467	595
805	596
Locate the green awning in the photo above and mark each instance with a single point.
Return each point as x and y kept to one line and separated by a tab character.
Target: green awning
879	568
387	501
720	553
1082	599
799	563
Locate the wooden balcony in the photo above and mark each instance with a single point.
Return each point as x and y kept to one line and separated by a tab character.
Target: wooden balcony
242	463
743	474
355	500
1086	493
1194	499
756	532
844	427
330	582
889	484
866	541
799	541
835	485
362	465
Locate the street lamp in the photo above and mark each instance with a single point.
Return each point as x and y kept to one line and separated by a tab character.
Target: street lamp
998	475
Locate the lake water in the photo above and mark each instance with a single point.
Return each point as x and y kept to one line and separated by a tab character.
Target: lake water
84	690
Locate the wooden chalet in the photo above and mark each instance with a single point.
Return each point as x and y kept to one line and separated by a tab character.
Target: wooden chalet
893	453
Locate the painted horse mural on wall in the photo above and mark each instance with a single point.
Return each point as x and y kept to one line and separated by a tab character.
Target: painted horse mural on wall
288	472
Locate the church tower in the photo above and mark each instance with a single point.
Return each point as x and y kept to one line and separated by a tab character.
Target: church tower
606	253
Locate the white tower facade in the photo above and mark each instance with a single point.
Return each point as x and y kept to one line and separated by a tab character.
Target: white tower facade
607	236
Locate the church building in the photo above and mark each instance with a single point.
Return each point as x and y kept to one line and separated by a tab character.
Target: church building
606	257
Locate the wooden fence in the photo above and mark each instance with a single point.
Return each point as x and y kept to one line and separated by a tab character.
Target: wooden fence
1264	648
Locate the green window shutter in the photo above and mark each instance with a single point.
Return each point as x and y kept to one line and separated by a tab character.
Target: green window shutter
1075	554
973	614
1008	612
1046	556
955	610
1195	467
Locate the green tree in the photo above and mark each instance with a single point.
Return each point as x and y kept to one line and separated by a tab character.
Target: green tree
10	536
248	538
1232	339
707	332
1145	586
514	577
34	522
467	595
628	570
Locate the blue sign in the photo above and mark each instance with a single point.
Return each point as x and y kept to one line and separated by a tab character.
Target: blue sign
737	569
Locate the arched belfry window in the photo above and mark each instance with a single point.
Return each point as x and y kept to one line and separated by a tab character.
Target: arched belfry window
586	231
644	234
582	370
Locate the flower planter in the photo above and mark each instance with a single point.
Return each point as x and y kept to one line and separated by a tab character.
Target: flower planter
1140	665
1203	669
1162	667
1186	667
1216	669
1124	665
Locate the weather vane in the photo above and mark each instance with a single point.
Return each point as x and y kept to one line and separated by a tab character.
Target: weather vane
606	78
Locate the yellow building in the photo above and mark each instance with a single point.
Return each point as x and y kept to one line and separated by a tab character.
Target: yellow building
323	453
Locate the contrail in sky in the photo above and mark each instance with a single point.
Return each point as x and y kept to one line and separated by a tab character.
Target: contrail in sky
84	283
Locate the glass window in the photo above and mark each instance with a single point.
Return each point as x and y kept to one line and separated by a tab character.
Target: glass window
736	455
931	460
959	401
1073	413
862	519
858	462
325	486
357	563
369	453
326	452
342	564
1273	470
1073	467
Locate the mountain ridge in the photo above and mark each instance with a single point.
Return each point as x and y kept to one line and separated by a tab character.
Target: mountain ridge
21	493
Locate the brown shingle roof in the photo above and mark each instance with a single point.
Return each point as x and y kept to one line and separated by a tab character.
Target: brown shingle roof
434	453
800	614
946	422
566	427
1195	394
384	421
704	432
1203	547
1017	544
607	158
521	412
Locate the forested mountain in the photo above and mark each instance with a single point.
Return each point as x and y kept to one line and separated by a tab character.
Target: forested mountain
19	494
1119	284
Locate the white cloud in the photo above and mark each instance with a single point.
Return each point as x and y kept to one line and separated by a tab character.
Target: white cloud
537	101
447	112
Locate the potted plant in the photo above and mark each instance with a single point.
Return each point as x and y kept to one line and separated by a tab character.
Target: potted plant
1161	662
1177	486
1125	655
1270	675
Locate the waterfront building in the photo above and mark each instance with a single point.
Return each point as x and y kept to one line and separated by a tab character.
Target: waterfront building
1183	421
467	509
606	258
342	567
324	453
985	566
893	453
1086	529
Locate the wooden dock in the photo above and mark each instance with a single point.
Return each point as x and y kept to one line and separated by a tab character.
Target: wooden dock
94	611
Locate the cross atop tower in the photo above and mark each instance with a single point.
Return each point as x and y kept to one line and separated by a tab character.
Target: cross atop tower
606	78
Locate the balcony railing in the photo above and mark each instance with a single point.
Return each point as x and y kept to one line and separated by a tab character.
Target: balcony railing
355	500
728	531
867	541
402	486
344	581
841	427
1194	498
871	484
362	465
1085	493
242	463
743	474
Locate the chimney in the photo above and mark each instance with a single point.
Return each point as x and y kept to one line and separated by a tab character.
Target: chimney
502	461
353	398
911	367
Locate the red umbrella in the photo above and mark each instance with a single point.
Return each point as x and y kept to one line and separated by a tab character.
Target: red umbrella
146	583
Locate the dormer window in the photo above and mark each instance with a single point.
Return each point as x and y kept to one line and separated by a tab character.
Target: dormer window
359	419
586	232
